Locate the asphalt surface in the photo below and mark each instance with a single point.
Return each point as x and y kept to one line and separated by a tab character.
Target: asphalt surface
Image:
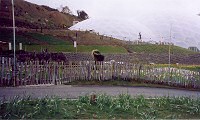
73	92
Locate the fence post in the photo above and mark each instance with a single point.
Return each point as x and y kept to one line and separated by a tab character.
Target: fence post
45	72
55	73
26	78
89	70
40	72
49	72
194	79
31	70
19	77
15	82
139	72
60	72
36	72
2	71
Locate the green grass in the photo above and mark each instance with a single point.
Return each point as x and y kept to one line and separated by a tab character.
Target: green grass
48	39
131	83
125	83
8	37
186	67
191	67
57	44
158	49
40	41
80	48
33	38
102	107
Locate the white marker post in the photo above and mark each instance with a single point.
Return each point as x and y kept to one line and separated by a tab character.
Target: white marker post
20	46
75	45
9	46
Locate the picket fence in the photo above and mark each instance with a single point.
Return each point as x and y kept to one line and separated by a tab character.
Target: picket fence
45	72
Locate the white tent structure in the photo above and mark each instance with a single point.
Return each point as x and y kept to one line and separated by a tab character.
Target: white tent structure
154	20
184	28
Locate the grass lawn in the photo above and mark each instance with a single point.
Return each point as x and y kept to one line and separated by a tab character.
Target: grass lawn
114	83
80	48
102	107
38	41
8	37
48	39
125	83
186	67
158	49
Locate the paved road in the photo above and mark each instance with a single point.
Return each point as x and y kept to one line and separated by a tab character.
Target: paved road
76	91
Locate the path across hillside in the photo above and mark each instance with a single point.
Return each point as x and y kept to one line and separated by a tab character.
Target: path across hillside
64	91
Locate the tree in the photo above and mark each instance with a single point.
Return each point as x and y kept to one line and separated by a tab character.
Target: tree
66	10
82	14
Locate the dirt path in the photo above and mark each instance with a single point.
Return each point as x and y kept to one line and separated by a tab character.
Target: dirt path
75	91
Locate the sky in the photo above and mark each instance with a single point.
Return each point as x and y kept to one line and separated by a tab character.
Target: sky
155	16
125	8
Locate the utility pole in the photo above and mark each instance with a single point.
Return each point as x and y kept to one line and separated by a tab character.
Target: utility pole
14	60
170	52
0	4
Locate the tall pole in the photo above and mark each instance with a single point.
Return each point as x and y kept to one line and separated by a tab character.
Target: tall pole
170	51
14	61
0	4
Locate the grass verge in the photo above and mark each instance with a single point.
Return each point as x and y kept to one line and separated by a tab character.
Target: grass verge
186	67
80	48
158	49
125	83
102	107
113	83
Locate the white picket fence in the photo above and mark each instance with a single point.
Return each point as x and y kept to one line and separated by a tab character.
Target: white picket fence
42	72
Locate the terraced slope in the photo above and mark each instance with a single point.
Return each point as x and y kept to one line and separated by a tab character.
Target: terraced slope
30	15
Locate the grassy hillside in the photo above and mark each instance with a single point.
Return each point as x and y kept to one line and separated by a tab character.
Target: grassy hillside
62	41
80	48
30	15
158	49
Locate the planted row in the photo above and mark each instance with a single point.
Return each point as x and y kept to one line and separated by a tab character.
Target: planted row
102	107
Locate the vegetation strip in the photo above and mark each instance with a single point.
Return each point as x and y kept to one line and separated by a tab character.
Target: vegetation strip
102	107
124	83
81	48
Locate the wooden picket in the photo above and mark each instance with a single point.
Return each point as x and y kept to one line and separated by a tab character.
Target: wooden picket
48	72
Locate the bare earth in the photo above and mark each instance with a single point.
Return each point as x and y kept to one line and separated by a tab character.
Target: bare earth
73	92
